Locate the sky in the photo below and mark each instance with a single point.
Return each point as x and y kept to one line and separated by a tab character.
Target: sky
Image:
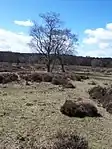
90	19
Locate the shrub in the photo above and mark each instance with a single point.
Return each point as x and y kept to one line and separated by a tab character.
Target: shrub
105	83
66	141
13	77
109	91
36	77
63	80
92	83
84	77
97	92
29	104
78	78
69	84
47	77
72	76
70	141
8	77
28	83
59	80
26	77
79	109
109	107
106	100
1	79
103	96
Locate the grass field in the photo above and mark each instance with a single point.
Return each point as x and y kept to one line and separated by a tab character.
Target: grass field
30	115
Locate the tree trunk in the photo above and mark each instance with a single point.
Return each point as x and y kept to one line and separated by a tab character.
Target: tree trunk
53	64
49	61
63	68
62	64
48	67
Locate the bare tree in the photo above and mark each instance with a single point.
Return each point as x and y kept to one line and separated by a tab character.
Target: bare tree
64	44
51	40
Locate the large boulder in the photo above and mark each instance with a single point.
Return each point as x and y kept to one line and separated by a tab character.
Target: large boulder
79	109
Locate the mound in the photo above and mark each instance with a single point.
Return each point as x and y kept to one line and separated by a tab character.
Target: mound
79	109
102	96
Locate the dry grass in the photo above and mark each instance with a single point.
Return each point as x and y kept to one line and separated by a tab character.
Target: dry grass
30	116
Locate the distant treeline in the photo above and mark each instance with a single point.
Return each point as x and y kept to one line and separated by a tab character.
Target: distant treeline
13	57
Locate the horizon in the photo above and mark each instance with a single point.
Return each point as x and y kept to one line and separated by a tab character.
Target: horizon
63	54
91	20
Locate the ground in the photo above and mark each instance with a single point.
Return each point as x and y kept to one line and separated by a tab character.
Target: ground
32	114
